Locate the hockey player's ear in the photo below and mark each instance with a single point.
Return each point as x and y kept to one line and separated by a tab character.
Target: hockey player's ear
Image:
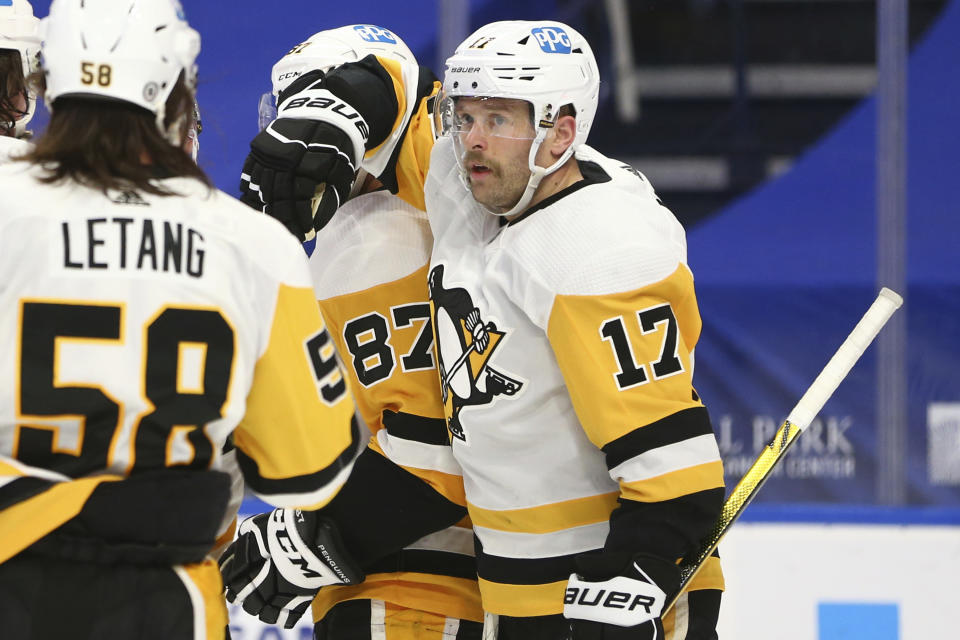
562	135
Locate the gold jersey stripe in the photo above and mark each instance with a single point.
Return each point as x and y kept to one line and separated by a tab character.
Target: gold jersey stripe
549	517
26	522
675	484
454	597
7	469
523	600
709	577
206	576
285	391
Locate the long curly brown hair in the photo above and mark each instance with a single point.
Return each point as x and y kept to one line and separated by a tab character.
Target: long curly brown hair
114	145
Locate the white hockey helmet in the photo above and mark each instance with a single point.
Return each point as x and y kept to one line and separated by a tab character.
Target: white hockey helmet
20	31
545	63
128	50
327	49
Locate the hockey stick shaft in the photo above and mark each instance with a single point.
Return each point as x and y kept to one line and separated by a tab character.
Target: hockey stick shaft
803	413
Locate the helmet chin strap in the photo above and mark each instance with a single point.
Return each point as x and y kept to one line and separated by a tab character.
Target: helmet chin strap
537	173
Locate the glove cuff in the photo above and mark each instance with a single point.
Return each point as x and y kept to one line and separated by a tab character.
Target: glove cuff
665	574
320	105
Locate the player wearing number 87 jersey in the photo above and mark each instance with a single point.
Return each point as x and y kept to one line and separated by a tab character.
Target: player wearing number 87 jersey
146	318
369	267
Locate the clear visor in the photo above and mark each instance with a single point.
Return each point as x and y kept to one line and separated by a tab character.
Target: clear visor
267	110
463	117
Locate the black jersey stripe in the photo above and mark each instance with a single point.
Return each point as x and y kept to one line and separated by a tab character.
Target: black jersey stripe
417	428
22	489
677	427
523	571
440	563
299	484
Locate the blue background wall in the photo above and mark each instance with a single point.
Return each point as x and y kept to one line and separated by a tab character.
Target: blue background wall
782	274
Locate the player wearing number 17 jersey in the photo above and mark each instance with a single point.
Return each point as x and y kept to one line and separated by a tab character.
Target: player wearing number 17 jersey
146	318
566	321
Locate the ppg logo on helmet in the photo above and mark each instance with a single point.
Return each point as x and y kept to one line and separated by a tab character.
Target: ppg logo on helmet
552	39
372	33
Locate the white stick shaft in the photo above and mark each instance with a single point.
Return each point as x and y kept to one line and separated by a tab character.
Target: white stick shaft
801	416
843	360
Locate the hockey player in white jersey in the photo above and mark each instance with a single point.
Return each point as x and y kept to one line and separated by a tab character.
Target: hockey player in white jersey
19	57
566	321
369	265
146	318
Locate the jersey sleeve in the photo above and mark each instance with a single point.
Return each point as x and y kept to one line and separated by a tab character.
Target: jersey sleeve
397	101
299	437
627	362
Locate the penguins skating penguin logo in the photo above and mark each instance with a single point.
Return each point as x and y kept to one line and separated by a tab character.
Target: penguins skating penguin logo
465	345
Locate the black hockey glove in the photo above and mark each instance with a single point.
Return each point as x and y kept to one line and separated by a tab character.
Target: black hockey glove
301	167
614	596
280	560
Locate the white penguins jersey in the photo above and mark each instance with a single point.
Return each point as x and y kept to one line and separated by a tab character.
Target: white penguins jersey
565	341
139	332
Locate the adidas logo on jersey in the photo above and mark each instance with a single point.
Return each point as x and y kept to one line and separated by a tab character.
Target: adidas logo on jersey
129	197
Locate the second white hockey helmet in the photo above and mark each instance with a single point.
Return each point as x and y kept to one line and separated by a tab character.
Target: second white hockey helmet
128	50
326	49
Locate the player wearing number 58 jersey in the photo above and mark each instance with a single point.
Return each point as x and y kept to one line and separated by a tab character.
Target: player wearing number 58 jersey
146	318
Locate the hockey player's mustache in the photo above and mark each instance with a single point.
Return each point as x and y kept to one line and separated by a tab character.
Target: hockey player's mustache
471	158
